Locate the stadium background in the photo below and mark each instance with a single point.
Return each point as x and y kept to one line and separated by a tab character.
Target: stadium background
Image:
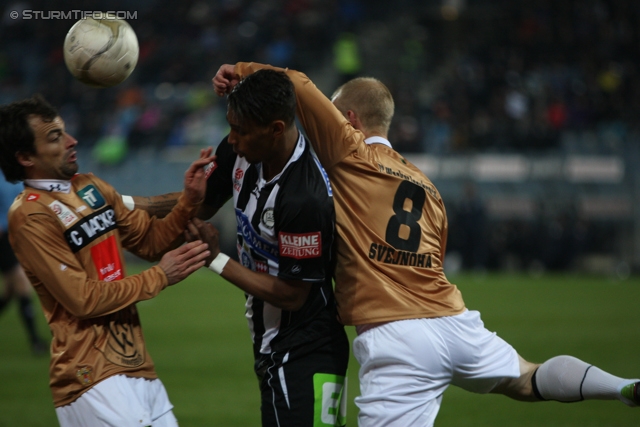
532	106
524	114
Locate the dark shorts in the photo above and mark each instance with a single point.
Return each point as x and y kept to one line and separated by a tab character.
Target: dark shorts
305	387
8	258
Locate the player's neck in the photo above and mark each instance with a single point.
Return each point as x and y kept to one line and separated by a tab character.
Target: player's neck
275	165
369	133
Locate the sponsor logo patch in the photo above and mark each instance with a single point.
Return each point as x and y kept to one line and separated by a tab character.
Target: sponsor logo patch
208	170
262	267
64	213
237	176
107	260
90	228
254	241
92	197
299	246
33	197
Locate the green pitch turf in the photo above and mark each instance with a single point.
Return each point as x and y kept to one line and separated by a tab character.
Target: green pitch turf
198	337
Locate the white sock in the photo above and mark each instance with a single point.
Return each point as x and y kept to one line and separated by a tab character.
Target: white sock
567	379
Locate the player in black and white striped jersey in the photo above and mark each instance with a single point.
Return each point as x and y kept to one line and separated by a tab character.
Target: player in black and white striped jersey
285	239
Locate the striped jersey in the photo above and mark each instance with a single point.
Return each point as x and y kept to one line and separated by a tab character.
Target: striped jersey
390	219
285	228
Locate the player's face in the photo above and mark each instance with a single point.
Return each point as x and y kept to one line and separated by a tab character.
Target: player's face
55	156
254	143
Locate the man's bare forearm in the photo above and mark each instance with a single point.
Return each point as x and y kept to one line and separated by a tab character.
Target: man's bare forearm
159	205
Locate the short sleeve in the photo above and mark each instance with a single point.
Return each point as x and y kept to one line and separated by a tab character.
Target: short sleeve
305	227
220	184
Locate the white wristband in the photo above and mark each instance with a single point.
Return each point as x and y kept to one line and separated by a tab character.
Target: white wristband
128	202
218	263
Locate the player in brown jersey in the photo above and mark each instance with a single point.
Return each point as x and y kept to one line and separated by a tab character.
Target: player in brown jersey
415	335
68	231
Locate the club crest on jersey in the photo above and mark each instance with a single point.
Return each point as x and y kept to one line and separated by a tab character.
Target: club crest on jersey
84	375
267	218
91	197
64	213
299	246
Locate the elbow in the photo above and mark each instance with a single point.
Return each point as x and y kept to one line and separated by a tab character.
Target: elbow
294	301
80	310
292	304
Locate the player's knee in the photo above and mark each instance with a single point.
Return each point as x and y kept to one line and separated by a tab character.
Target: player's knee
521	388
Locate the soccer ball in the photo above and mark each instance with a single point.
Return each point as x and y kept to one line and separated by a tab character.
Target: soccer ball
101	52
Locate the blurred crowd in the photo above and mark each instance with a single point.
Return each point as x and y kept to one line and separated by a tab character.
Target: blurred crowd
467	75
515	76
533	76
168	100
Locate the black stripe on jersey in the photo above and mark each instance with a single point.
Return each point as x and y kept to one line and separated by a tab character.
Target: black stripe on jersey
90	228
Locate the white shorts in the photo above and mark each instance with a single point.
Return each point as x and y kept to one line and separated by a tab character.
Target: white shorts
405	366
120	401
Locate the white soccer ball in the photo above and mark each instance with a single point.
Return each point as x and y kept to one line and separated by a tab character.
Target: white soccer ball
101	52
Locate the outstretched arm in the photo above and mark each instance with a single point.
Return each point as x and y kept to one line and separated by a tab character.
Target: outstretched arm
45	254
158	206
195	184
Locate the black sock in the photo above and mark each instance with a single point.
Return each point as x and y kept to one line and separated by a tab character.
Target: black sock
3	303
28	318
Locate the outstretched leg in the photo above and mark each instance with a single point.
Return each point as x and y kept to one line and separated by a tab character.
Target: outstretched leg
567	379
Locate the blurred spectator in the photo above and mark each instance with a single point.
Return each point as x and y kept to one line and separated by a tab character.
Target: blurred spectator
471	222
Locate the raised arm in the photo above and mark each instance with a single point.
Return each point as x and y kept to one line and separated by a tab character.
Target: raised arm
330	133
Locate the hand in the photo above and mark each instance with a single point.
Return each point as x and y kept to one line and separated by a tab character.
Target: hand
225	80
195	178
181	262
199	230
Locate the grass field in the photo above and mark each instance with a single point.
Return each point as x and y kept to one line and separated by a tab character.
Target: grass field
197	335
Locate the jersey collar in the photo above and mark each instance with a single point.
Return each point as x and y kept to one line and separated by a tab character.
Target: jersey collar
51	185
297	152
377	140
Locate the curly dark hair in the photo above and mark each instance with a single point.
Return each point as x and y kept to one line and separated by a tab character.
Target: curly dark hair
263	97
16	135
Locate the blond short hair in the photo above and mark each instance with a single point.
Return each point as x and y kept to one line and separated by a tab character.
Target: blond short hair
370	99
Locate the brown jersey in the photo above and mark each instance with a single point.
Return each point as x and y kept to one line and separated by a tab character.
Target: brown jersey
390	219
70	246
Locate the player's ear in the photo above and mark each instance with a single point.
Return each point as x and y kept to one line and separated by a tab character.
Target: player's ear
24	159
277	128
353	119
